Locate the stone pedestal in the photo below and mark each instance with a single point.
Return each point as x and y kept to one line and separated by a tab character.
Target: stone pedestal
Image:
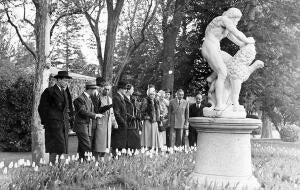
224	153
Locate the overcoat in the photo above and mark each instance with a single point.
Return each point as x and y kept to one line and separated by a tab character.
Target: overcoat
119	135
178	114
102	126
56	111
134	139
151	116
84	113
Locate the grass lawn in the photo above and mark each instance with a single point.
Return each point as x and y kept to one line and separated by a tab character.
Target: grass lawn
8	157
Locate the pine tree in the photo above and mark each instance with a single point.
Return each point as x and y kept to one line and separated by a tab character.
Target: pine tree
67	40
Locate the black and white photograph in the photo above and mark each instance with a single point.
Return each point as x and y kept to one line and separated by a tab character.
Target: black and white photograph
149	94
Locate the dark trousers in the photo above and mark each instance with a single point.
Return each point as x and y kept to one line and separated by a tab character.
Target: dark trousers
179	137
98	155
192	136
174	137
84	144
170	137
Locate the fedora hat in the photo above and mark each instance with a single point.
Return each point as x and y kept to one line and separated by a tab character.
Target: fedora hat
62	75
91	85
100	81
121	85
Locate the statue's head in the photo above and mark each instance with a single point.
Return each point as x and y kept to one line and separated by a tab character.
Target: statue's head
233	13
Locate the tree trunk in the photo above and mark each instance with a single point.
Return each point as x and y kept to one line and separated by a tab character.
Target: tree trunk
168	60
109	49
119	73
170	32
266	131
99	56
42	31
112	24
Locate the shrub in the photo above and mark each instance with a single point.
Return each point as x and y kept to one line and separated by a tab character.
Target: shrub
288	134
16	106
16	96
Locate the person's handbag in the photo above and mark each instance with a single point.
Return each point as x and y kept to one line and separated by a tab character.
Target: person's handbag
161	128
162	125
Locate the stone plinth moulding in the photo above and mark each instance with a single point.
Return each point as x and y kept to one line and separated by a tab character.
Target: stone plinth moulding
223	153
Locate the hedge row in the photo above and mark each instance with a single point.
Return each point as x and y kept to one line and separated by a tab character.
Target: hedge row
16	96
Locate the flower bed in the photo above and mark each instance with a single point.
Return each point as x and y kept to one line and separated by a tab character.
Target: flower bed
148	170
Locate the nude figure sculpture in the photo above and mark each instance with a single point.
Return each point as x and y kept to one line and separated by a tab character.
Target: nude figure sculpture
229	72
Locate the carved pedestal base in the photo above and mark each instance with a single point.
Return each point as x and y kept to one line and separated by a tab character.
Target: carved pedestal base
223	153
229	112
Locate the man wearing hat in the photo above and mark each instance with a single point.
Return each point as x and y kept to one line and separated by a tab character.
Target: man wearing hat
55	110
100	82
84	114
101	141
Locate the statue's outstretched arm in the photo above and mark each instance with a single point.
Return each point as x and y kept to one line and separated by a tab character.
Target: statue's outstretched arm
235	32
235	40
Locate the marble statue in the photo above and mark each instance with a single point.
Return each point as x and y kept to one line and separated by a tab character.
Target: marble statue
229	71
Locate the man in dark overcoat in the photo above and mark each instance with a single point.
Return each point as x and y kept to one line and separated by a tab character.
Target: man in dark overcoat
84	114
195	110
55	110
119	135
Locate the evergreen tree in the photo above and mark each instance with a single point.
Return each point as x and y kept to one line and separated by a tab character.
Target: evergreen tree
67	41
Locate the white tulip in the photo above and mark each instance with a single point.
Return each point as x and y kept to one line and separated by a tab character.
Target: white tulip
28	163
1	164
36	168
11	165
5	171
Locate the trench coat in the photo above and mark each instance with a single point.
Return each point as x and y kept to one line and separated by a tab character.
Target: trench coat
101	131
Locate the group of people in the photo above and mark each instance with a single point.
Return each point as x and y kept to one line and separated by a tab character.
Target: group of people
104	124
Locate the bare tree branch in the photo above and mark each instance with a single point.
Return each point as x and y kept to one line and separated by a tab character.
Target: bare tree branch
141	40
24	15
146	23
101	6
129	28
75	11
19	35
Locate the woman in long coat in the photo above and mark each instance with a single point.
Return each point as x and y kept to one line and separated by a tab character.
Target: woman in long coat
134	140
102	127
151	116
